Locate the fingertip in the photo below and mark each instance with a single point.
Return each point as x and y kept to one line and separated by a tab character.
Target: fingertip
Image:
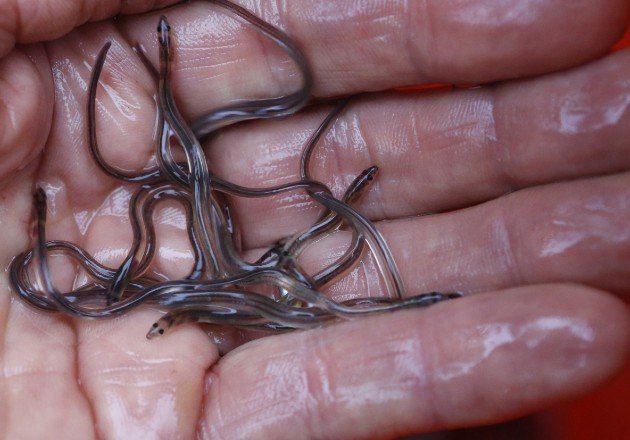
486	41
525	349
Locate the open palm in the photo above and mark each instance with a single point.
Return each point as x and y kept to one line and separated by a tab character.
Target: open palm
540	266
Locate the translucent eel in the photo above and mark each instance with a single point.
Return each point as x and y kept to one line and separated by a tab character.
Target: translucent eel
141	208
168	292
19	277
51	294
40	251
199	288
384	258
177	172
210	226
252	109
328	224
250	310
307	152
293	246
241	191
21	284
299	290
141	217
206	217
331	220
122	277
241	309
200	180
170	169
167	168
262	108
265	108
147	176
288	251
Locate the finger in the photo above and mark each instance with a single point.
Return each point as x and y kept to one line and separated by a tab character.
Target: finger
476	360
566	232
137	388
126	109
28	21
386	44
437	151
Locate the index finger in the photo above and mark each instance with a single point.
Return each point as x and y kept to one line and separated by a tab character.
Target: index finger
378	45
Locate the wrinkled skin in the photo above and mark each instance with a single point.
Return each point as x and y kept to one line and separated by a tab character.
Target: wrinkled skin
546	267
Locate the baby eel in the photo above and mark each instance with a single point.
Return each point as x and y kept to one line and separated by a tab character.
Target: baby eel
148	176
39	199
211	228
204	213
292	248
307	152
40	209
172	170
253	109
51	294
177	172
261	108
332	221
18	273
122	277
250	310
141	208
240	308
384	257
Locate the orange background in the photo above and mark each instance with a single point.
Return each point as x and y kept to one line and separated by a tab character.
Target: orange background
603	414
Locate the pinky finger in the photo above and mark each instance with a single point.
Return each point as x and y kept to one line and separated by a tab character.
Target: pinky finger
481	359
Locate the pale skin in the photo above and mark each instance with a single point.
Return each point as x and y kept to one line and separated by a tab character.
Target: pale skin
546	268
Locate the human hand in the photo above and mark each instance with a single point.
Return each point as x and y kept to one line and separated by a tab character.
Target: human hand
529	331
